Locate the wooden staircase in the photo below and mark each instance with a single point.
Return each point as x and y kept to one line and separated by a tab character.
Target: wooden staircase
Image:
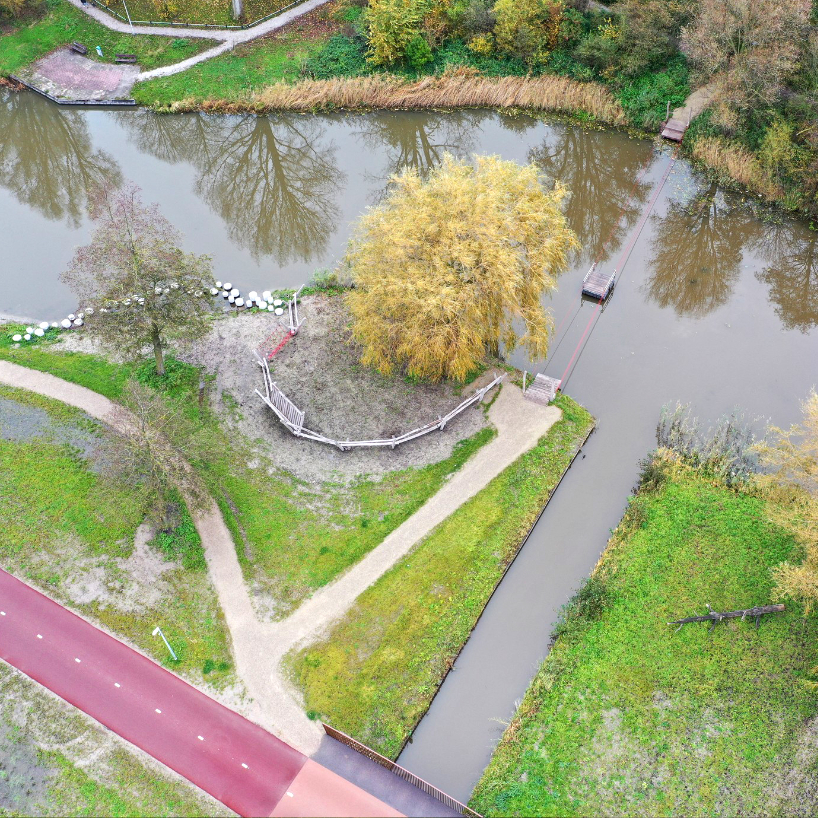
543	389
674	129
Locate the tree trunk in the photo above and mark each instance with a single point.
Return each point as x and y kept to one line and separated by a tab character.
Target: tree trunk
157	351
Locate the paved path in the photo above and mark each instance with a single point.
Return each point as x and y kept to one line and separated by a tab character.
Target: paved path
243	766
227	38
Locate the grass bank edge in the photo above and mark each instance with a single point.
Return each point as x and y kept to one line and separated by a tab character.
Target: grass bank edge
559	682
437	645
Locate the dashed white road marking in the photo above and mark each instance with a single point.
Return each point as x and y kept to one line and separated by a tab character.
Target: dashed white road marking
290	794
245	766
76	660
2	613
39	636
201	738
158	710
116	684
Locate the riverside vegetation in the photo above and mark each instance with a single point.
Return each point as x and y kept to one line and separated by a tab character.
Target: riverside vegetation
627	716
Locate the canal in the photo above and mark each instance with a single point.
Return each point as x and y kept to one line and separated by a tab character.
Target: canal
717	306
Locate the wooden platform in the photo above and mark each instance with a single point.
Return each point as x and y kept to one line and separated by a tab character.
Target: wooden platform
674	129
543	389
597	284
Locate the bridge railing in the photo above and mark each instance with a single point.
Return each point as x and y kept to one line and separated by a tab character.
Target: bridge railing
401	772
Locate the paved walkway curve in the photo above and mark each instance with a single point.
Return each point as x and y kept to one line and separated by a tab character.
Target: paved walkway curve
227	38
258	647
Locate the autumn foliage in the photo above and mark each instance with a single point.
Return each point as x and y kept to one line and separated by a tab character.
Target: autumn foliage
447	269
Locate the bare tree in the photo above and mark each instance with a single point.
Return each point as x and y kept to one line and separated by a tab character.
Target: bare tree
138	287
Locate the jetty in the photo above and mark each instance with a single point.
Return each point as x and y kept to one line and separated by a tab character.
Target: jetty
543	389
597	284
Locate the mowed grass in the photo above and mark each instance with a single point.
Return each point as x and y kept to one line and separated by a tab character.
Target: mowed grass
28	40
237	74
628	717
298	538
65	526
375	674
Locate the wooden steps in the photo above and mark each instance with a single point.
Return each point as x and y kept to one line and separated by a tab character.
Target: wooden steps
543	389
674	129
598	285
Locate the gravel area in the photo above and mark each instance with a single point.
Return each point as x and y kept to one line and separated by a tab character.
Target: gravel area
320	371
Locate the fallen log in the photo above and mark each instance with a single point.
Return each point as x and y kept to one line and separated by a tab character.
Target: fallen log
716	616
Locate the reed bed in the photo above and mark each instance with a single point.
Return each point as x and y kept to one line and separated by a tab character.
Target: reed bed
735	163
456	89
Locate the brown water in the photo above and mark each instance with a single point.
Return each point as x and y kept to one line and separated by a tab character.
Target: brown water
717	305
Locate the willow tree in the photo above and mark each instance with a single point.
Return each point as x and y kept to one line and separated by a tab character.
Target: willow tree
447	269
137	286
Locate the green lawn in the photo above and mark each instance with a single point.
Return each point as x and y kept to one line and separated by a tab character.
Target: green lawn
77	544
27	41
247	68
628	717
56	761
375	674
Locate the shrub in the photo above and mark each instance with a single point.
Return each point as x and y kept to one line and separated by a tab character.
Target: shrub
340	56
391	26
528	29
645	99
418	52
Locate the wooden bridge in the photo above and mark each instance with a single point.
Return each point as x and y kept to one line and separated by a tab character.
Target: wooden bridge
598	285
542	389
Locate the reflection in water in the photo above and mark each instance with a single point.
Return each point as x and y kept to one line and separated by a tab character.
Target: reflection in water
791	274
274	181
47	157
697	253
601	185
418	141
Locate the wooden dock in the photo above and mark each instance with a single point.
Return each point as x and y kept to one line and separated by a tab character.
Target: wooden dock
598	285
674	129
543	389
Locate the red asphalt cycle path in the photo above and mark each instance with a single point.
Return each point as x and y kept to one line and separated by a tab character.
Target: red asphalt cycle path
234	760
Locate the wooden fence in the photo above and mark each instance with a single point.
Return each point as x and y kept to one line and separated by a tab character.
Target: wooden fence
293	418
401	772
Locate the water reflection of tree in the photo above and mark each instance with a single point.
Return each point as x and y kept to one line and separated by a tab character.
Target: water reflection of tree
47	158
274	181
791	253
698	247
416	140
605	201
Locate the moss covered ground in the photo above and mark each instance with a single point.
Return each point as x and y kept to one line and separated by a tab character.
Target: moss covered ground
628	717
376	672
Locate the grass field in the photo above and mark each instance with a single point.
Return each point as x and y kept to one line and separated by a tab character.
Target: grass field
628	717
26	41
377	671
77	543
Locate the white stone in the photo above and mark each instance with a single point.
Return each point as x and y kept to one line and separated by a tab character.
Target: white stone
44	325
29	329
65	323
54	325
232	299
235	292
239	302
262	305
279	311
228	286
90	310
80	315
225	293
253	295
39	332
78	322
278	302
17	337
214	291
26	337
218	285
266	295
270	308
173	286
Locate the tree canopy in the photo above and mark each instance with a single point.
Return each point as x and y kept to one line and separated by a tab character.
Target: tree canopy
449	268
136	284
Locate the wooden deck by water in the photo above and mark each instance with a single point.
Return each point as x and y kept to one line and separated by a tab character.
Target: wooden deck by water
597	284
674	129
543	389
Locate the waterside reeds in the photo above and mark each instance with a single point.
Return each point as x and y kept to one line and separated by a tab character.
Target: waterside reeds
455	89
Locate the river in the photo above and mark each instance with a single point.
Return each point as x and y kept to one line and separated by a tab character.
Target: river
717	305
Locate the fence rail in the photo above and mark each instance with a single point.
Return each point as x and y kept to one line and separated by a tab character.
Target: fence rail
293	418
401	772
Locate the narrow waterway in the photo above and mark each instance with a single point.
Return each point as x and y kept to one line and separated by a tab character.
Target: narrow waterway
717	306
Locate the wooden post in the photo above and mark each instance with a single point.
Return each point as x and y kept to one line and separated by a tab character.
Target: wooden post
524	376
667	116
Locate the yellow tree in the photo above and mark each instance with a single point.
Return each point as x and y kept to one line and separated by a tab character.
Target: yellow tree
792	458
448	268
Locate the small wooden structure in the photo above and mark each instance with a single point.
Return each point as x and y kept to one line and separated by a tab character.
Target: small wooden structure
714	616
543	389
674	129
598	285
78	48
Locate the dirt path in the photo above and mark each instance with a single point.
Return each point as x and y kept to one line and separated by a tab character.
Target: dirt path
259	648
228	38
694	104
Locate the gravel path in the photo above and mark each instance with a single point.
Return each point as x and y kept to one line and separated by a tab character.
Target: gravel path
228	38
259	648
